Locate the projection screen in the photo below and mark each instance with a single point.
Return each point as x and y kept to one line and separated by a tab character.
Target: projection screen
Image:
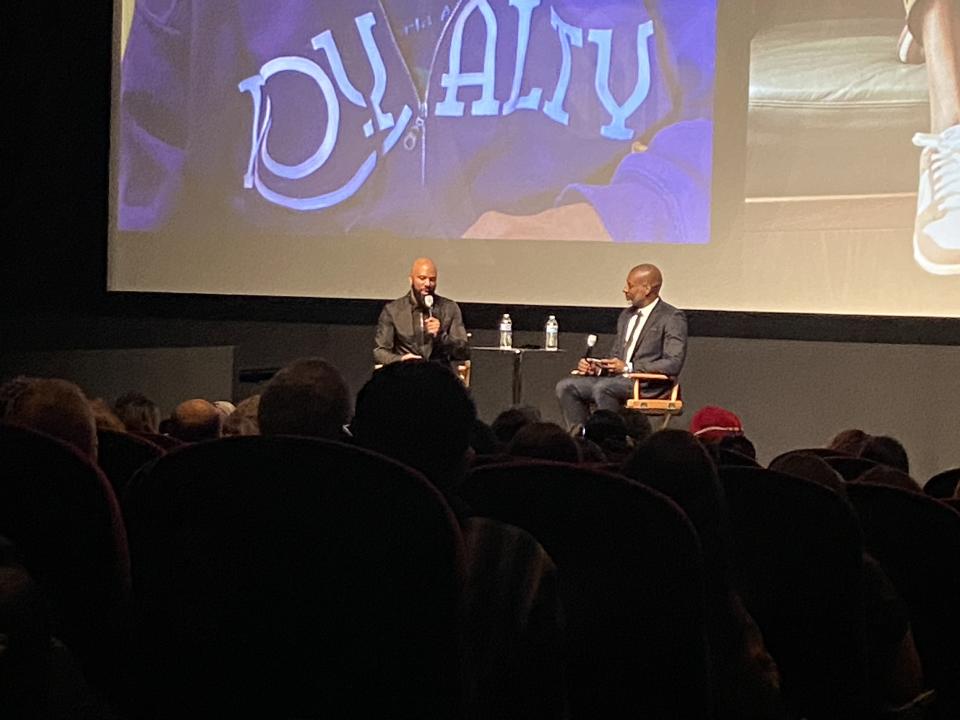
535	149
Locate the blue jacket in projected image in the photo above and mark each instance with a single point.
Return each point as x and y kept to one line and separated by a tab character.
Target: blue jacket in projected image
412	118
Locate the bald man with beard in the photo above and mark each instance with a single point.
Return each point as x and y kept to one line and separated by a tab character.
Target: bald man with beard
410	329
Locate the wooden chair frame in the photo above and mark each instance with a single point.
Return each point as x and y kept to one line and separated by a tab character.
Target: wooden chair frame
667	407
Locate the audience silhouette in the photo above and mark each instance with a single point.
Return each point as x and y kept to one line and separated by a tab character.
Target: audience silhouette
255	560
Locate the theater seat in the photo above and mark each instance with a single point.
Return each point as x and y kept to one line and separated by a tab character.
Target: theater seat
167	442
798	550
917	541
59	511
819	452
121	454
294	577
631	584
943	484
850	468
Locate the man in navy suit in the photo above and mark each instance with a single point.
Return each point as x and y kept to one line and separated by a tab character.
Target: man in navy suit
651	337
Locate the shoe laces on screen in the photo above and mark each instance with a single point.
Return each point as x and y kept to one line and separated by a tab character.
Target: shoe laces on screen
944	149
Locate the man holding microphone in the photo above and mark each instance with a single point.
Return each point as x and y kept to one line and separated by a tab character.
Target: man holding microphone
421	325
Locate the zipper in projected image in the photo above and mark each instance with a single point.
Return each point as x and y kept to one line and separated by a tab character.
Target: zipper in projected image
409	129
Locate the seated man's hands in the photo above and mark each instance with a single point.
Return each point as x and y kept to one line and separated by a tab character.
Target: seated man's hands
606	366
410	356
613	366
431	326
585	367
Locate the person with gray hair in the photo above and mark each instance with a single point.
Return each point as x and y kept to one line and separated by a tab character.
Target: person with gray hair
58	408
138	413
308	397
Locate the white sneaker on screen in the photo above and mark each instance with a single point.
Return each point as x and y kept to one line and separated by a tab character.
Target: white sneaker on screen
936	235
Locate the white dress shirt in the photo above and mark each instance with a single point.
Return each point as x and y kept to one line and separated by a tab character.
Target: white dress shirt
634	328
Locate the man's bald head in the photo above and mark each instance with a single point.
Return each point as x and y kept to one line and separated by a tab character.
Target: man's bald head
423	263
58	408
649	274
423	277
643	284
196	420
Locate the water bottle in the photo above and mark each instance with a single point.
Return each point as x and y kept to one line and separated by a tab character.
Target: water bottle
551	340
506	332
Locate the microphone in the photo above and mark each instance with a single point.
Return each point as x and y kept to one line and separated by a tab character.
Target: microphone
428	301
591	341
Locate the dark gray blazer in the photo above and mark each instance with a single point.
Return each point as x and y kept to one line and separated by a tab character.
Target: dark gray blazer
399	331
662	347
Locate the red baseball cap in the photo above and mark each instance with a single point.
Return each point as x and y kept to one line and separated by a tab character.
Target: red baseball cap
712	423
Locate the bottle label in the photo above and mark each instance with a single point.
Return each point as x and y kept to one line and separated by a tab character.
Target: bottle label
551	338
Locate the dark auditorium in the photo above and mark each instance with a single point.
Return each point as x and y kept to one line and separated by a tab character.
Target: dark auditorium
481	360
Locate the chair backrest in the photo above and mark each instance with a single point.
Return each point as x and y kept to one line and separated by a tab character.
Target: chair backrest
615	468
121	454
668	402
59	511
479	460
798	554
463	372
294	577
819	452
943	484
631	584
726	456
167	442
917	542
850	468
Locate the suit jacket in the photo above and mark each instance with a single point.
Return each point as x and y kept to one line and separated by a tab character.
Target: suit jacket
662	346
400	331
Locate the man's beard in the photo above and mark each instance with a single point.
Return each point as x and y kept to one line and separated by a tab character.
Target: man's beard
418	296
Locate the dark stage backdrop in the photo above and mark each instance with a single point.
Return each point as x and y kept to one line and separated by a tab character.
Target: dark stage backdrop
789	393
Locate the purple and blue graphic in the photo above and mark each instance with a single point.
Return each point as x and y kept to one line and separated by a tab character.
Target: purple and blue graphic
418	118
